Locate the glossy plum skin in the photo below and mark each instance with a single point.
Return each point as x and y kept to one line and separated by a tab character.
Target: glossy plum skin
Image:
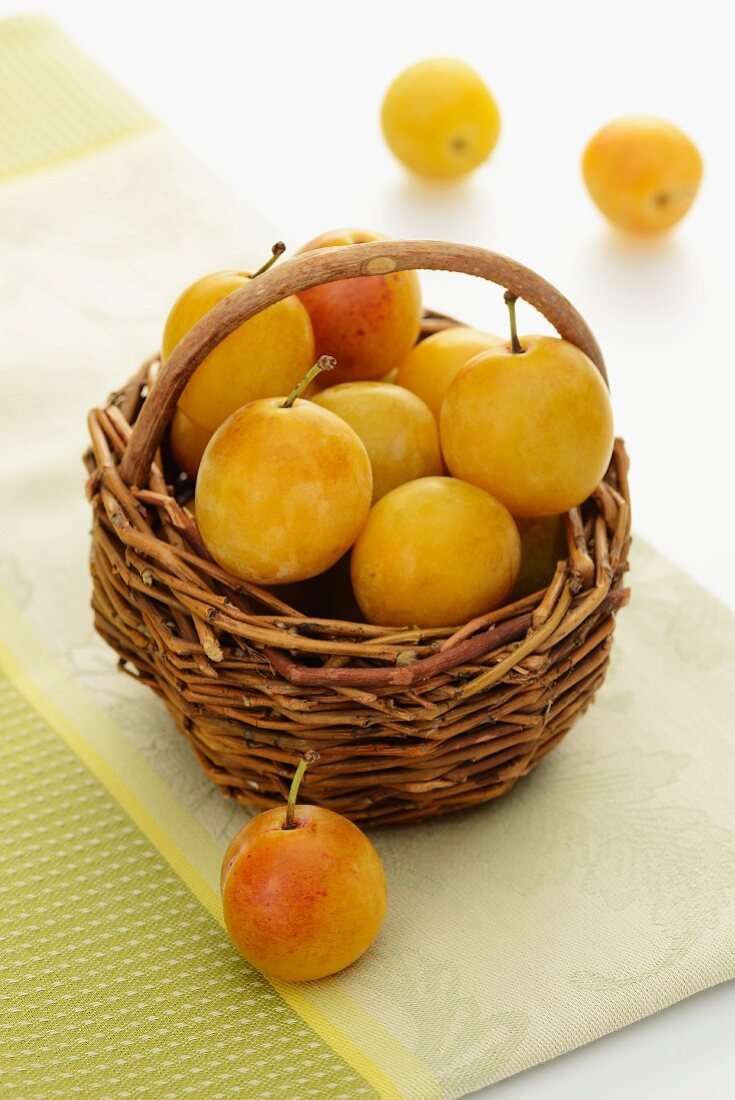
397	428
534	428
282	493
264	357
432	365
643	173
369	323
439	118
434	552
306	902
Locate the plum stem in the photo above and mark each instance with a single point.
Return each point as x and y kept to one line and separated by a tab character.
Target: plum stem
308	758
510	300
277	250
326	362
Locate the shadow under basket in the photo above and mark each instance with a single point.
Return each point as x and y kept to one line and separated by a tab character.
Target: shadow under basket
408	722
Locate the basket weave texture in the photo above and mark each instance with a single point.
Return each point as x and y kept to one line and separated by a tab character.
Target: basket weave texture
408	723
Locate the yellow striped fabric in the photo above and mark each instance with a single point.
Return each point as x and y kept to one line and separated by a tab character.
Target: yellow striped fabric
55	103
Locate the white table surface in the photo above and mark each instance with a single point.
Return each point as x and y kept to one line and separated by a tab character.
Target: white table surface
282	100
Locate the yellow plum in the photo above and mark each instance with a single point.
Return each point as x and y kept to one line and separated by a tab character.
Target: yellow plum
434	552
397	428
284	488
531	423
264	357
643	173
432	365
439	118
303	890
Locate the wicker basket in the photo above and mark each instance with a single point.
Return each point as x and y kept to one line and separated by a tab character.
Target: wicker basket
408	723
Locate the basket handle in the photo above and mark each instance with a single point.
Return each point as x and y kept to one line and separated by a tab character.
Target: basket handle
327	265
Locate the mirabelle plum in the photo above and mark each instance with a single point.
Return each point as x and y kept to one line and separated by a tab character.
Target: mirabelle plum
643	173
264	357
434	552
439	118
397	428
369	323
531	423
283	490
303	891
430	368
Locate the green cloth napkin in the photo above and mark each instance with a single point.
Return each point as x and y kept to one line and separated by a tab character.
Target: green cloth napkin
116	980
599	891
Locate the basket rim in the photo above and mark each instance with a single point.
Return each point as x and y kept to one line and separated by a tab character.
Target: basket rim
589	581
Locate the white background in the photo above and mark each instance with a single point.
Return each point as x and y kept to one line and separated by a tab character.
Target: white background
282	99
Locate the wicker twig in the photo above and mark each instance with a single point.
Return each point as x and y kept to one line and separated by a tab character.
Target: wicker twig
408	722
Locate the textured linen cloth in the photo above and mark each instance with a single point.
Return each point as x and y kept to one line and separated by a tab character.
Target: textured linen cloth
599	891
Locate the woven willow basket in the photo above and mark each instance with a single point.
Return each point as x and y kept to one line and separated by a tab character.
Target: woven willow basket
408	723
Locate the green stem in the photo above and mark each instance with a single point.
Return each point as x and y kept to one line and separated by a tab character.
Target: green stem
510	300
306	759
278	249
327	362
